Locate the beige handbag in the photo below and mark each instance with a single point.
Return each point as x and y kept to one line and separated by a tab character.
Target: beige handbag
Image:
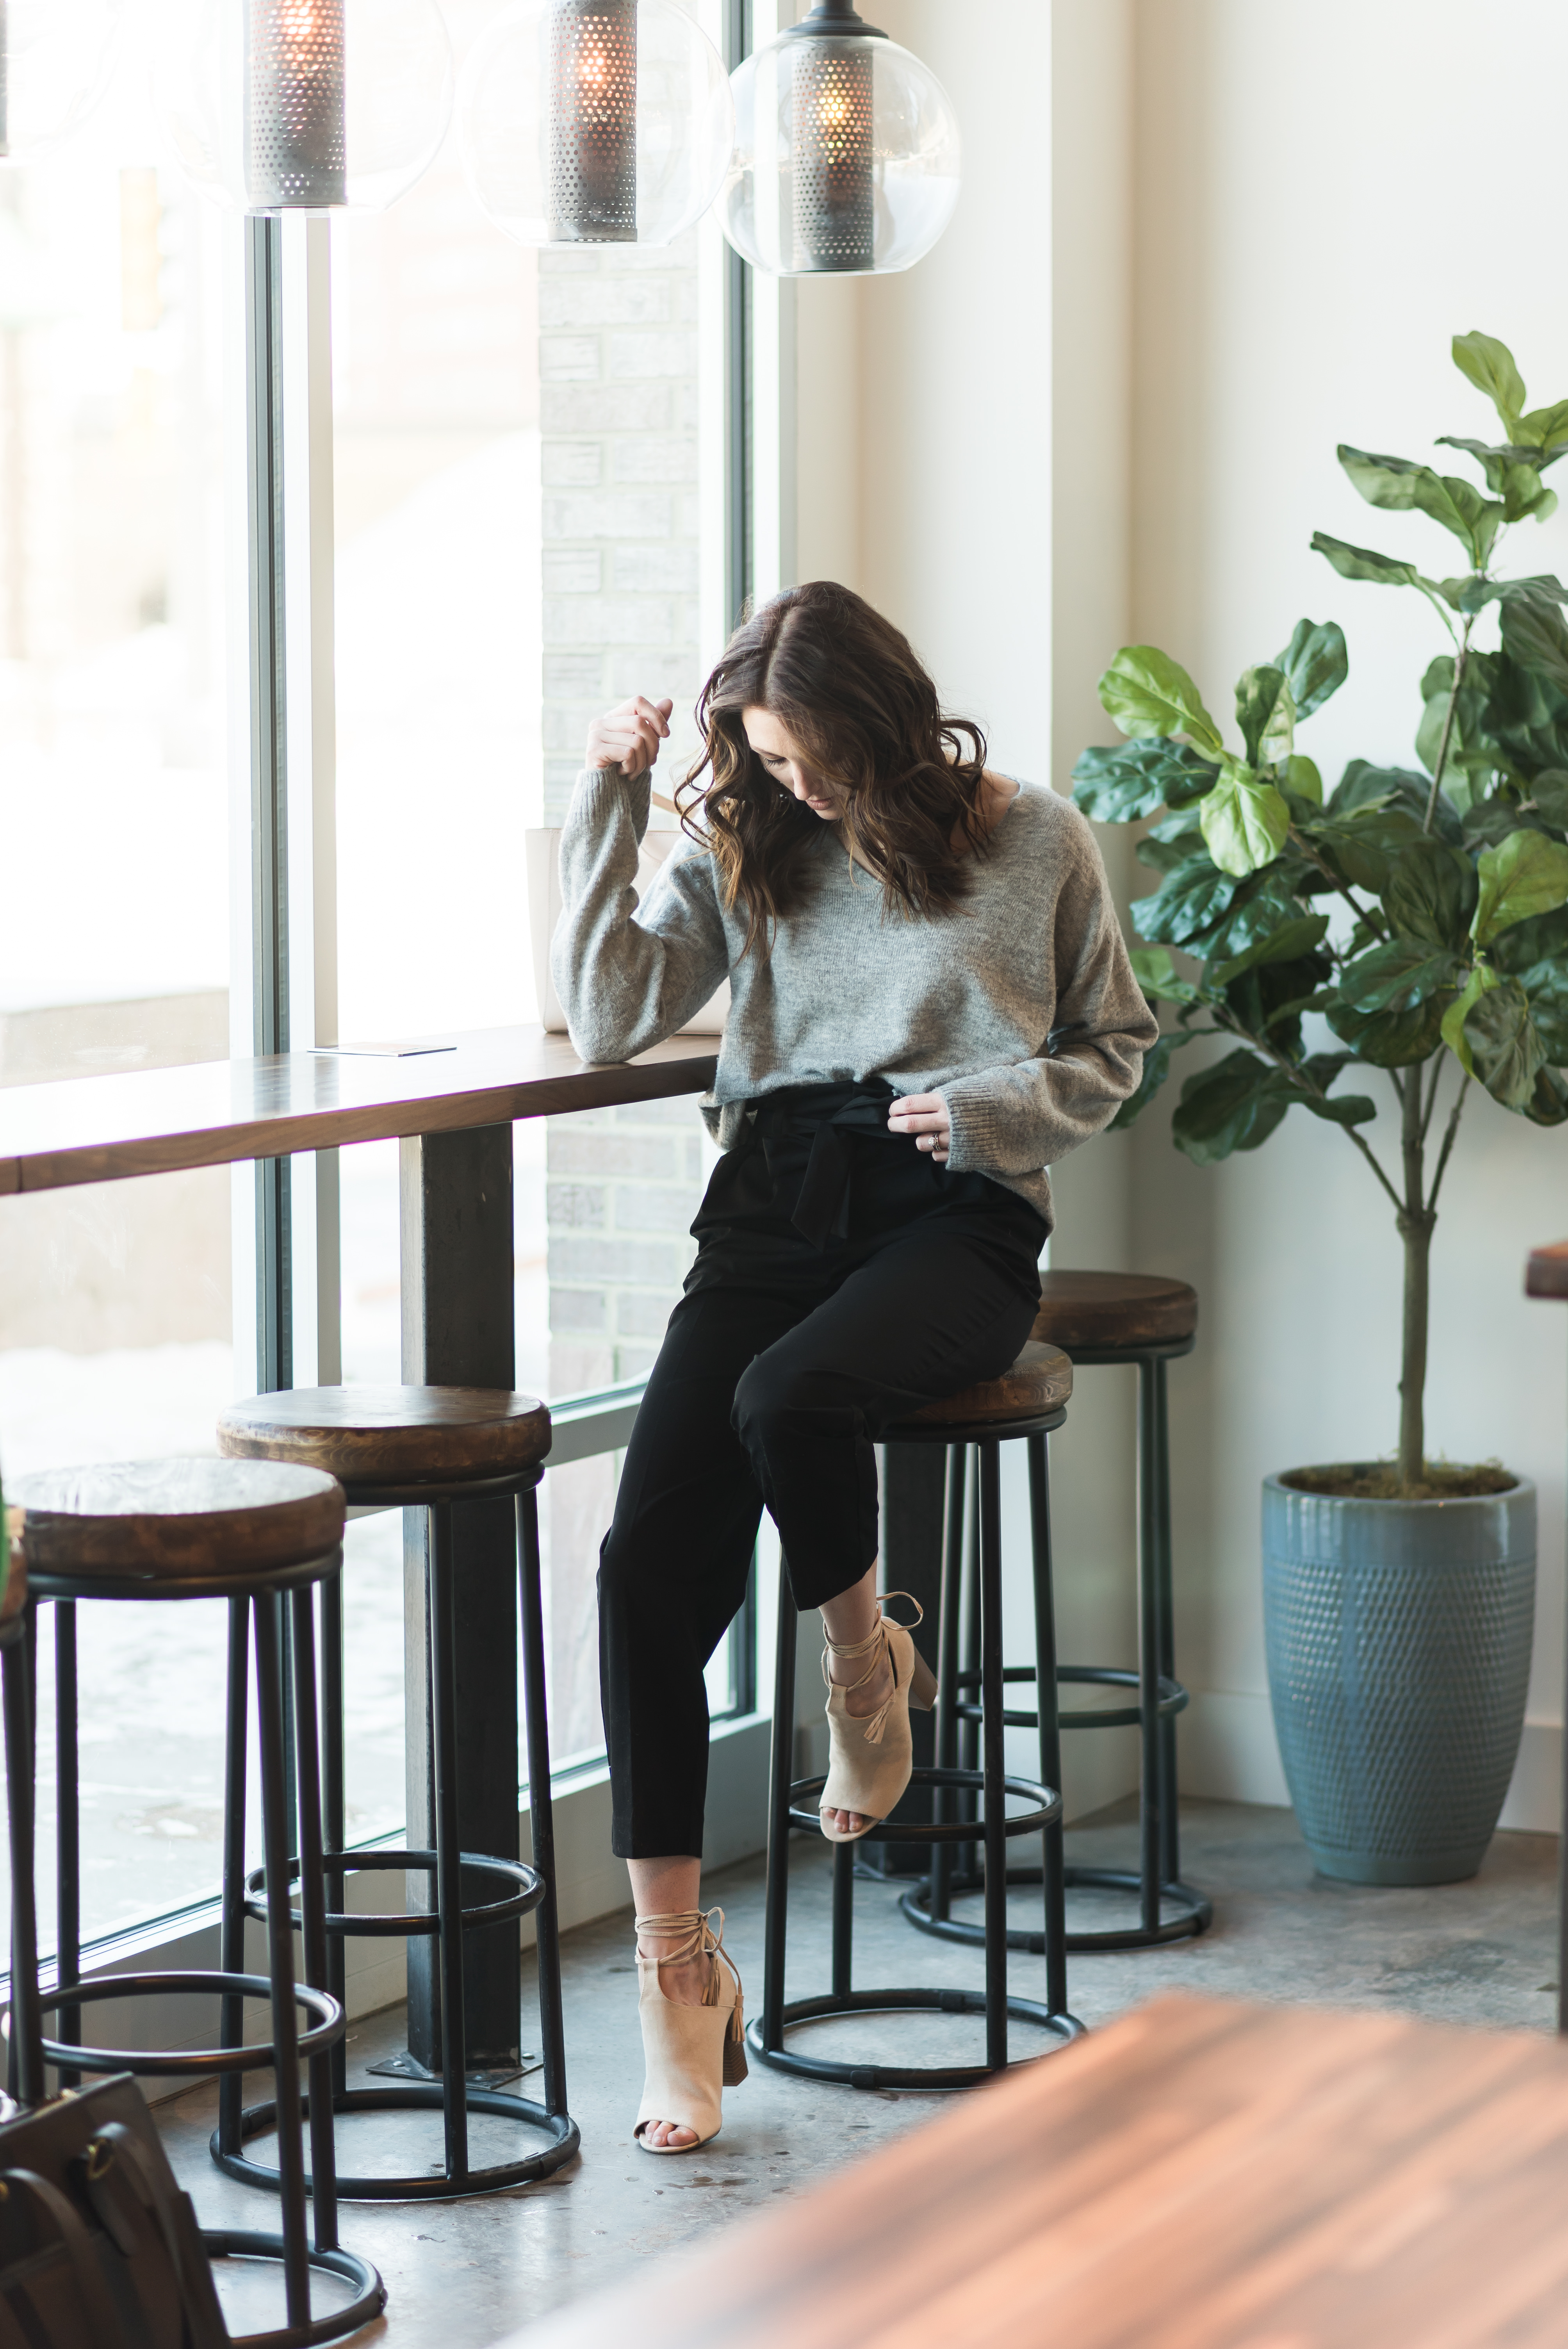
543	847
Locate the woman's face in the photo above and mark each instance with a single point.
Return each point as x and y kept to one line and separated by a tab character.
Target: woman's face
788	764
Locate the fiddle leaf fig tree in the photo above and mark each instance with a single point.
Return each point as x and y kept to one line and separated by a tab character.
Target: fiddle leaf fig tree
1418	913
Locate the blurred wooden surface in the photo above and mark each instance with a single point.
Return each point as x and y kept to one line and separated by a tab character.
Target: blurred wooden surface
1202	2174
1546	1271
102	1129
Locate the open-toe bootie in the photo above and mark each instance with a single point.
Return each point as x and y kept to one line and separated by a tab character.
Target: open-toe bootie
691	2052
871	1759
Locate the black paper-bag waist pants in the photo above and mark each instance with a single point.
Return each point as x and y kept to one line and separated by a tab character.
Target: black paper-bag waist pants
841	1281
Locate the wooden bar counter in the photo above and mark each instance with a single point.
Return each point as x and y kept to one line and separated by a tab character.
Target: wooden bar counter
104	1129
1202	2174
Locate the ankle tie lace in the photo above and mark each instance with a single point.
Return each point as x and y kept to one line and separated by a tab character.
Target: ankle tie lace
693	1932
874	1725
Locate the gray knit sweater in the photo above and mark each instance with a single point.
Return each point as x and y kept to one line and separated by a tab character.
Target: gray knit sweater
1020	1008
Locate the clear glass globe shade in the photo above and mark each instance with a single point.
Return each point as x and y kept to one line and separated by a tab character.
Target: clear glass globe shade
362	88
53	66
580	126
847	159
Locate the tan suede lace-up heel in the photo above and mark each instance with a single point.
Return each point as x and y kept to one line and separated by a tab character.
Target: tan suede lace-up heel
871	1760
691	2052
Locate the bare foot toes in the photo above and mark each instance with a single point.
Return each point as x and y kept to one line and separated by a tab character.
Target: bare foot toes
668	2133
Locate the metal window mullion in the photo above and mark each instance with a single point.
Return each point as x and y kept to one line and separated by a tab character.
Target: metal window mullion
739	563
269	767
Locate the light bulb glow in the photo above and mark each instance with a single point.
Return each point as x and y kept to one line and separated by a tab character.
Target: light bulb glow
295	104
593	122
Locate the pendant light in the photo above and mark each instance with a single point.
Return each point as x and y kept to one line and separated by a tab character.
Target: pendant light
277	106
846	157
54	66
594	121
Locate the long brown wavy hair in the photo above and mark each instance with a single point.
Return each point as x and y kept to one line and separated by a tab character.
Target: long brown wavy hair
853	693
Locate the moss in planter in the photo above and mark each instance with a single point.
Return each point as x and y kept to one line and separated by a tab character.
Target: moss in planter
1377	1480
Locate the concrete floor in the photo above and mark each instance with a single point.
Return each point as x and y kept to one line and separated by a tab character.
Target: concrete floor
463	2275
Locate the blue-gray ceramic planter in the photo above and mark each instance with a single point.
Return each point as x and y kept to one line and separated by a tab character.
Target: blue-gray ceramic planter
1399	1650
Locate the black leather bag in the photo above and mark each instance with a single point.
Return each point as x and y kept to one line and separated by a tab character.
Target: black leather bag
98	2247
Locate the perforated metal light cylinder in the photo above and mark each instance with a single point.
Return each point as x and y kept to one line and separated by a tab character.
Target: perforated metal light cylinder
833	189
593	122
296	140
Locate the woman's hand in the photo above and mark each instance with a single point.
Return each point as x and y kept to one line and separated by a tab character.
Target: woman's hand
925	1116
629	737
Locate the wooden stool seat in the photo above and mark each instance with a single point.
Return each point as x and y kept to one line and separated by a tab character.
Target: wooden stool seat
1081	1310
386	1436
178	1518
1040	1381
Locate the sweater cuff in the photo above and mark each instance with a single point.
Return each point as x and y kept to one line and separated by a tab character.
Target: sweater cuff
978	1143
600	789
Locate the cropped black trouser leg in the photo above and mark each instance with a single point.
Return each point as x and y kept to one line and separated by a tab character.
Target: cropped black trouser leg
772	1387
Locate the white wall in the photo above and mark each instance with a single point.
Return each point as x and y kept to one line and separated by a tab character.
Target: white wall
1326	194
1104	409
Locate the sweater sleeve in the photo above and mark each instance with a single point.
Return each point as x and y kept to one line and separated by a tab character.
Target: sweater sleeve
1017	1119
628	974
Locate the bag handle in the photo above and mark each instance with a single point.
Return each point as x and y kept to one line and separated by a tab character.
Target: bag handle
105	2328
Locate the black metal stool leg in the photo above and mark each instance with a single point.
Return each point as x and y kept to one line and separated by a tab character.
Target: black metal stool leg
1149	1773
843	1919
541	1814
448	1849
312	1912
968	1859
993	1738
280	1955
67	1826
334	1793
1170	1824
232	1933
947	1634
775	1919
26	2063
1053	1877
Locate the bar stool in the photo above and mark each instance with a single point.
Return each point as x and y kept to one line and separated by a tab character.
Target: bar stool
1025	1404
259	1535
1106	1318
427	1448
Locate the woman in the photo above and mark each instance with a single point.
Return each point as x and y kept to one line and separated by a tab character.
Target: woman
930	1004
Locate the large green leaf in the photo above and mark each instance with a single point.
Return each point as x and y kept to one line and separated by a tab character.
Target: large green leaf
1300	935
1244	819
1545	428
1301	779
1491	821
1396	485
1525	716
1390	1039
1482	980
1527	875
1146	692
1157	976
1472	750
1548	793
1361	563
1390	789
1235	1105
1188	902
1534	635
1505	1051
1266	712
1431	893
1490	366
1156	1069
1116	786
1543	938
1548	1105
1315	664
1397	975
1546	985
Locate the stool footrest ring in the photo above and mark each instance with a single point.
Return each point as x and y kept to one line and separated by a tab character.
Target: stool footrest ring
326	2031
244	2243
1174	1698
1047	1812
560	2128
1196	1912
1063	2028
412	1924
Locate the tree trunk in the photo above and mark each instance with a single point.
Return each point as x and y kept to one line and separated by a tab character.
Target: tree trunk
1416	1230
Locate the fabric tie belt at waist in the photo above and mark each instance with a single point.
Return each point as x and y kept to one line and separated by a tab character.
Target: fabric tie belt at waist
831	1116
